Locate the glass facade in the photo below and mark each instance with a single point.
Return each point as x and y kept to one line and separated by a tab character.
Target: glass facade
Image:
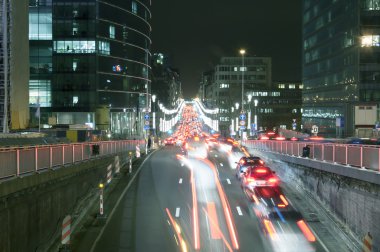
340	54
97	56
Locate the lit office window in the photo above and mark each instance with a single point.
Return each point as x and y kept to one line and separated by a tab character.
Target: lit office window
104	47
74	46
300	86
134	7
370	40
40	26
40	93
281	86
371	5
112	31
292	86
223	85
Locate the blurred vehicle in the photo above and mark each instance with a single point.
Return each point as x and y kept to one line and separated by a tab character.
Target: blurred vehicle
282	225
234	155
196	148
212	143
169	141
258	176
245	162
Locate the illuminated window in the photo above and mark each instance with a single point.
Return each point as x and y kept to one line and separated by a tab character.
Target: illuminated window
300	86
223	85
292	86
40	93
104	47
112	31
134	7
281	85
370	40
62	46
235	69
40	26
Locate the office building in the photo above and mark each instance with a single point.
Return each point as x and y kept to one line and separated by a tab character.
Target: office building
90	63
341	66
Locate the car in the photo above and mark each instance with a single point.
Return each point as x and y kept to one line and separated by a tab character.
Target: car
169	141
259	176
245	162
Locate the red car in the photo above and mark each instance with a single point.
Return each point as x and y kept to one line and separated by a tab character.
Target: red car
259	176
169	141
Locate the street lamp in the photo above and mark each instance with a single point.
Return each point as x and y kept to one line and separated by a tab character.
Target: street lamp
249	113
242	52
154	114
256	102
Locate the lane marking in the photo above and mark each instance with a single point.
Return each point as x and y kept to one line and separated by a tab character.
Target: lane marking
177	210
221	164
229	181
180	181
239	211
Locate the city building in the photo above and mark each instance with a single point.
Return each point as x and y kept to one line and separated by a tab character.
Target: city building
222	87
14	71
90	63
341	66
166	81
267	105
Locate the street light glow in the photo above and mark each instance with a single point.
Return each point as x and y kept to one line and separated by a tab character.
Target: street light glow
237	106
242	51
154	98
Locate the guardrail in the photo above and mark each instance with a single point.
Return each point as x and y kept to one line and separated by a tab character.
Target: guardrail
24	160
362	156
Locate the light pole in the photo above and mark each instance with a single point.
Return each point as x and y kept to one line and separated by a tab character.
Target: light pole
242	52
237	118
256	102
249	113
154	114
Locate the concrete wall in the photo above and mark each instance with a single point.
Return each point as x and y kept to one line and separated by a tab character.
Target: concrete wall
32	208
355	202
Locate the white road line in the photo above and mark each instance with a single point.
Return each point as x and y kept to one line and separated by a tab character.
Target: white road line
177	210
239	210
221	164
229	181
180	181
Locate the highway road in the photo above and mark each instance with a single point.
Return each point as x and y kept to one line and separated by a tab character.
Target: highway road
186	204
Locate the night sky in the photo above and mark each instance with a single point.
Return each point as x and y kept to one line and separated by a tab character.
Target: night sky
196	33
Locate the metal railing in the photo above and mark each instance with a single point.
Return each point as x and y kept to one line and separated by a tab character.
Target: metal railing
362	156
24	160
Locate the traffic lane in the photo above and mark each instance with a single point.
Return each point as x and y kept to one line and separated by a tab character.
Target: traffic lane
326	240
214	230
249	232
146	229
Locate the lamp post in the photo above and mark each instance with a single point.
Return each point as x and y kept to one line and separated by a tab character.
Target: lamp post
154	114
255	120
242	52
237	118
249	113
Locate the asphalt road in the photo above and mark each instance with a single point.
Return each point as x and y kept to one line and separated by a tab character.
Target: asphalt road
178	204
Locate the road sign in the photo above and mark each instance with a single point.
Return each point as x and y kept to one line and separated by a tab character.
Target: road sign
294	125
147	123
314	129
242	127
146	116
242	117
242	123
146	127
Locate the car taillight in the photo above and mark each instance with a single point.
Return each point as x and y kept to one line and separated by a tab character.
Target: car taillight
261	171
261	161
264	138
272	180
